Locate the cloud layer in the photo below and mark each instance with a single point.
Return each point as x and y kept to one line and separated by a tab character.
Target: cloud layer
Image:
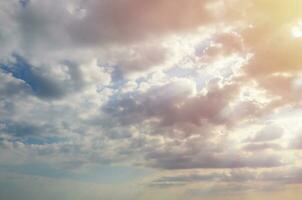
198	92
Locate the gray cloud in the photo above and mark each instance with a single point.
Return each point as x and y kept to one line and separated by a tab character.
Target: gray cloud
296	142
20	129
246	177
240	176
67	77
68	98
172	104
169	160
268	133
262	146
128	21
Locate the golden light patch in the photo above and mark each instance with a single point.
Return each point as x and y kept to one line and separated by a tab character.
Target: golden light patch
297	30
280	10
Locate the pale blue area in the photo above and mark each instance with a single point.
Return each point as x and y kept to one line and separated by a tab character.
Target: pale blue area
41	86
29	133
113	174
35	169
24	3
99	174
200	80
43	140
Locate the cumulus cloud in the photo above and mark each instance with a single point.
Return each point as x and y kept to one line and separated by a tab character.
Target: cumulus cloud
209	159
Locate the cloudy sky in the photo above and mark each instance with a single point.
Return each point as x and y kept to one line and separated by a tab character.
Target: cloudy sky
150	99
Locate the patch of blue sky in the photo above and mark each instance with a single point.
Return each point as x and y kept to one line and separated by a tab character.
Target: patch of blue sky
19	129
36	169
125	100
43	140
98	174
200	79
24	3
22	70
113	174
202	46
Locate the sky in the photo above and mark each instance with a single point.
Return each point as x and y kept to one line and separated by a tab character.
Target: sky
150	99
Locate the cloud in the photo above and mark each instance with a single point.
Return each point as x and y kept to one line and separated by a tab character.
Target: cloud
245	177
40	85
268	133
88	26
229	176
168	160
128	21
10	86
174	103
20	129
262	146
65	78
289	176
296	143
172	86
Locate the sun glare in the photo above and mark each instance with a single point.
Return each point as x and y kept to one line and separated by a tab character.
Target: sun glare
297	30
